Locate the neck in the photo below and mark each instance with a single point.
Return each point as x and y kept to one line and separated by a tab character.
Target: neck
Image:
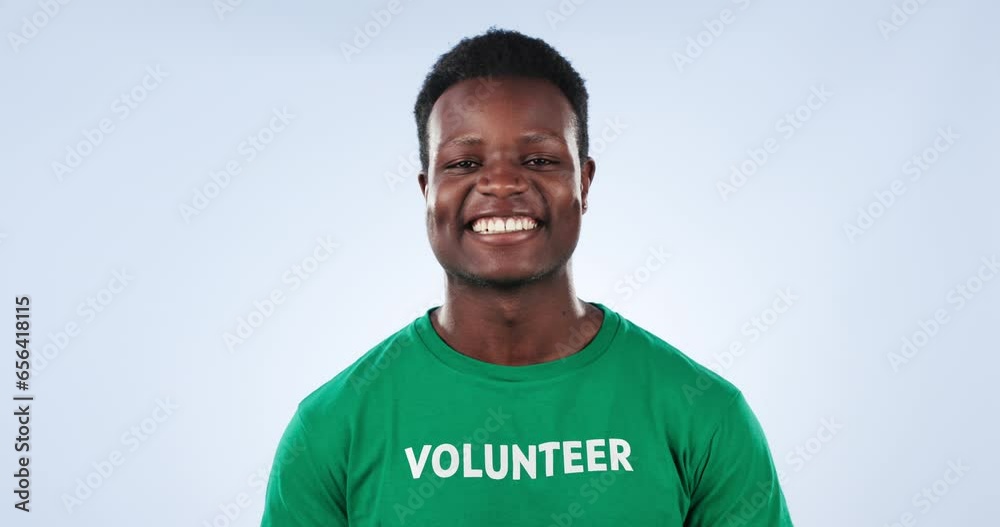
516	326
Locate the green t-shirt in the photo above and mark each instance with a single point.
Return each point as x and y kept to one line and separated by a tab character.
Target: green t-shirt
627	431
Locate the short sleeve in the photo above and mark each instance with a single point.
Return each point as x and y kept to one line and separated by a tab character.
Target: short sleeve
302	490
736	482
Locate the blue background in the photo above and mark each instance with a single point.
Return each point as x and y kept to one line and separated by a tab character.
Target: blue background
686	105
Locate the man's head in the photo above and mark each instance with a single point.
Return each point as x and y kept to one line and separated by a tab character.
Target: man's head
502	122
501	53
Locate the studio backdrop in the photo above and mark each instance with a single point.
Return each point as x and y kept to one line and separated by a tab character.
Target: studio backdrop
209	208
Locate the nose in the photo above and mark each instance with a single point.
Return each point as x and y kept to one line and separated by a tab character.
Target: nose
501	180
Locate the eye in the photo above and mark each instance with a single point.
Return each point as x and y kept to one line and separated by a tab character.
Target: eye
541	162
464	164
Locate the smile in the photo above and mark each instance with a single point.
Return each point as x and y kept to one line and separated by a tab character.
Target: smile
502	225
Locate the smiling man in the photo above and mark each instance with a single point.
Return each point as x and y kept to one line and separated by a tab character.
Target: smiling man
515	403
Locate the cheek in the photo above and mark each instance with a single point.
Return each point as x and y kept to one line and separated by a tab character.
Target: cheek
443	203
565	199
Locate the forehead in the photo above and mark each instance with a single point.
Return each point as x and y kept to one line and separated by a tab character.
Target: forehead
493	105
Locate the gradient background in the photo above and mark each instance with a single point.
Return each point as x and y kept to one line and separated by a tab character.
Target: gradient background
340	170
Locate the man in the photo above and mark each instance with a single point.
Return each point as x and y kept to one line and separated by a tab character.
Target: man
515	403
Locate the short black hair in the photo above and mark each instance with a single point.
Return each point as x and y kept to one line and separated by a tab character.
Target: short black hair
501	53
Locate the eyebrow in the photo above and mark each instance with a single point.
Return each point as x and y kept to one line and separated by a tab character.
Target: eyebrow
530	138
541	137
465	140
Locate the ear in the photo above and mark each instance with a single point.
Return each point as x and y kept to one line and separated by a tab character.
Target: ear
586	177
422	180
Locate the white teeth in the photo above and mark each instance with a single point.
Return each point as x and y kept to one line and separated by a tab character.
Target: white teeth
496	225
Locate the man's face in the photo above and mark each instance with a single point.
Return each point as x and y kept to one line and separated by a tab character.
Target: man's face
505	187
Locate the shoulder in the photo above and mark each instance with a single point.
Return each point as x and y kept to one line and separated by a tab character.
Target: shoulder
674	377
341	396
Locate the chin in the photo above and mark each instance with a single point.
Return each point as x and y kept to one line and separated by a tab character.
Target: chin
501	278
